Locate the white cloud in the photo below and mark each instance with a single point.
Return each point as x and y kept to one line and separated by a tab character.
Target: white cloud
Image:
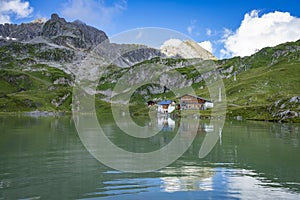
93	12
4	19
208	32
256	32
17	8
207	45
227	33
191	27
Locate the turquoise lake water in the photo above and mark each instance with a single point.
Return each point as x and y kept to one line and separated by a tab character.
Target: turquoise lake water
44	158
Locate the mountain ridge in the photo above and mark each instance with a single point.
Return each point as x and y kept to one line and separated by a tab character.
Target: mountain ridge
79	35
76	37
38	73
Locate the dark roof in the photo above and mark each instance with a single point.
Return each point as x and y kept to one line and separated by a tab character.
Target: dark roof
151	101
196	97
165	102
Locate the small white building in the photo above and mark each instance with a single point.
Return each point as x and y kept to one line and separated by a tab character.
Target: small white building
165	106
208	104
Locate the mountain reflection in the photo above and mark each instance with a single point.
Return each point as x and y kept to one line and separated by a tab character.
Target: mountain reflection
254	159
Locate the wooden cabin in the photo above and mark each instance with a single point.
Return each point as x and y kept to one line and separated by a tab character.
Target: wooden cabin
190	102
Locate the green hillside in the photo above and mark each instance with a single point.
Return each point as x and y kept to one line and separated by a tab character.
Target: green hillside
34	90
266	86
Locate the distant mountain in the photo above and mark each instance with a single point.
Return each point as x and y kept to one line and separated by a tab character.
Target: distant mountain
185	49
80	39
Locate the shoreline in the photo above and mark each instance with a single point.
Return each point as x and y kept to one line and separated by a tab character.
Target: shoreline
36	114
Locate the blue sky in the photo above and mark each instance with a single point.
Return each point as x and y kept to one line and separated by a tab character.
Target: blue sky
227	28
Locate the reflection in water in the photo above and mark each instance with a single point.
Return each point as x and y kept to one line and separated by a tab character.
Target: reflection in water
187	178
165	123
239	183
247	184
43	158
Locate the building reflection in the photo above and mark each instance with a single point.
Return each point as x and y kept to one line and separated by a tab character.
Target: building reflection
187	178
165	123
185	125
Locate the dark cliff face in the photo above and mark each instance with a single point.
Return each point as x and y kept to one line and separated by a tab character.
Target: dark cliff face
57	30
72	34
76	37
22	32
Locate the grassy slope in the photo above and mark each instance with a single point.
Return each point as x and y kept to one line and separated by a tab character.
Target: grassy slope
269	76
264	80
28	91
257	89
26	85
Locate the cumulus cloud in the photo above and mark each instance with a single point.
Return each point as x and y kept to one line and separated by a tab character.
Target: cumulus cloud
16	8
207	45
93	12
257	32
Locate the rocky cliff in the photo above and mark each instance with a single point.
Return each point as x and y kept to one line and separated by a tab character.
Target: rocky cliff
76	37
56	30
72	34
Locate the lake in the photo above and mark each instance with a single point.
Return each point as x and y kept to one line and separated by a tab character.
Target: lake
44	158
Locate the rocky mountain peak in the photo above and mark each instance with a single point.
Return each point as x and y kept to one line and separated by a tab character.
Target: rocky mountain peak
72	34
185	49
55	16
56	30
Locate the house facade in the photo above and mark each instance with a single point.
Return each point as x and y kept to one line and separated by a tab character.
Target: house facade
163	106
190	102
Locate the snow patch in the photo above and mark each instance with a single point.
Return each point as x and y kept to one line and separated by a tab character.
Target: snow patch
8	38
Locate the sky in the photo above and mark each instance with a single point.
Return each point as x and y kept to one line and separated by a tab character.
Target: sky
226	28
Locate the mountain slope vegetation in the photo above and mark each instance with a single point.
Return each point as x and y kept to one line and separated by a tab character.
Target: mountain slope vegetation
38	70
